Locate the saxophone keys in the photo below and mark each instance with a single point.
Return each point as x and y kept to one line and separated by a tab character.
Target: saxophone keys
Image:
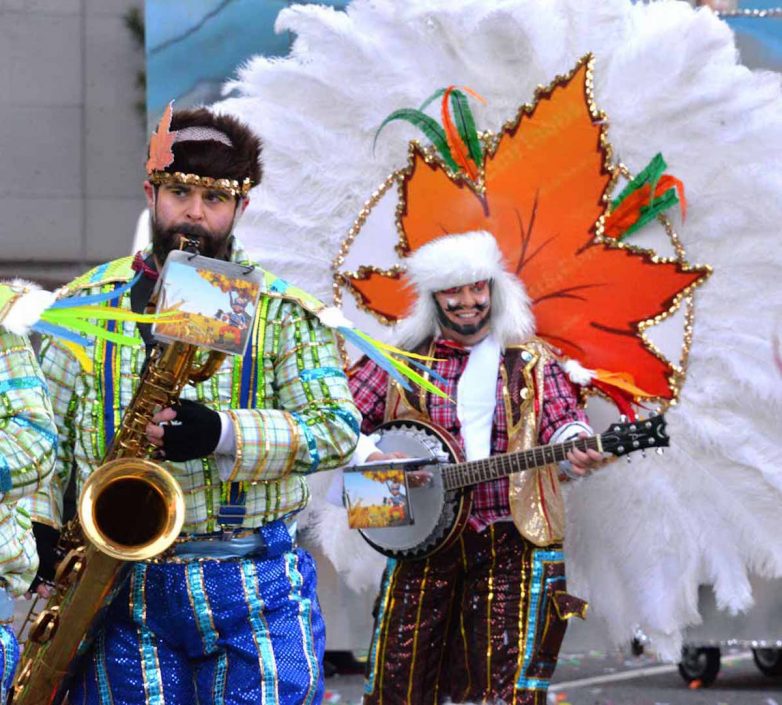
44	626
22	678
70	567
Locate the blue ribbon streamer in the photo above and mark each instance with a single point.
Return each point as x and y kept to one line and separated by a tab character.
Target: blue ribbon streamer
96	298
372	353
60	332
426	370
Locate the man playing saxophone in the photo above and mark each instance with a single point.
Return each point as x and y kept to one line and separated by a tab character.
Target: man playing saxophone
27	449
229	615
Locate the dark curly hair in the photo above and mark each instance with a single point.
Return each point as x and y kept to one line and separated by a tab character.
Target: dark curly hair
212	158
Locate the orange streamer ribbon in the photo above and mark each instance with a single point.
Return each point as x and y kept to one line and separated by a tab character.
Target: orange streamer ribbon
621	380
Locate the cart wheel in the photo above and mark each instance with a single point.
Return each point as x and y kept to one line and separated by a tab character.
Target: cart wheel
700	664
769	661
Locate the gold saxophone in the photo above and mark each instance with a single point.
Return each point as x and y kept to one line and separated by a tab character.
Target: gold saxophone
130	509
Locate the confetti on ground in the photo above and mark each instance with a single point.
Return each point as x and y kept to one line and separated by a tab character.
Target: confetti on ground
331	696
697	683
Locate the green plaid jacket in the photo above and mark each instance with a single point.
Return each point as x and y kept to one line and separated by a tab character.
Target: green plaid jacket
288	397
28	440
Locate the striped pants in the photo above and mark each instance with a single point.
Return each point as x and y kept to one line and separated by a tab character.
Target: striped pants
209	632
480	621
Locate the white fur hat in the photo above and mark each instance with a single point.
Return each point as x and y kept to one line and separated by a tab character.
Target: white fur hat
455	260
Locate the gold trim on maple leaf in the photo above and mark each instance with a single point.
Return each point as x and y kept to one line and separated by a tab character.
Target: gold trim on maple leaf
364	273
428	156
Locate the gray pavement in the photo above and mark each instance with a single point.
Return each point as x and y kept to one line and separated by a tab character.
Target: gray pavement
615	678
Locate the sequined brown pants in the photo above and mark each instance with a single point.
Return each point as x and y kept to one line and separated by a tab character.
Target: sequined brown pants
481	621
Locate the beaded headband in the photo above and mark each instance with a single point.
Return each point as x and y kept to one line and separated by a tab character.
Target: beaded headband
161	156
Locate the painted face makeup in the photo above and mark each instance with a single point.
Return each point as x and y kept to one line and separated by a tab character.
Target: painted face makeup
464	311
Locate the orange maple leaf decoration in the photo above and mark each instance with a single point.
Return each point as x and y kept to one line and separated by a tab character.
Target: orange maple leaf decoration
545	199
160	144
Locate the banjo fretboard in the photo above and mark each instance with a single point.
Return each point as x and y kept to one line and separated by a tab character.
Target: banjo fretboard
474	472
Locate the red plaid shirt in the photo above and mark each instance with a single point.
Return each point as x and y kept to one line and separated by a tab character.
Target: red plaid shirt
559	406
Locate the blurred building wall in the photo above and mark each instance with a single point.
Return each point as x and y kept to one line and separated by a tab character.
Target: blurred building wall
72	146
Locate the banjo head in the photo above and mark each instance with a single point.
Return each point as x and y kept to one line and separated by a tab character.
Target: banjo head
434	510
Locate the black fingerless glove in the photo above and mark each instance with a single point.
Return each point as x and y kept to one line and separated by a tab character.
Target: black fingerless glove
46	540
194	433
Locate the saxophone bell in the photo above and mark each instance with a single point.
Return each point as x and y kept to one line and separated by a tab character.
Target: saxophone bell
131	509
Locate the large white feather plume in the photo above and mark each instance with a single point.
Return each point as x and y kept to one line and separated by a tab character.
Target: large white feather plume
641	537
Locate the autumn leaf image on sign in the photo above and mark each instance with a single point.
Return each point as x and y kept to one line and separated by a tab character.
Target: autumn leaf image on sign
376	498
546	187
216	302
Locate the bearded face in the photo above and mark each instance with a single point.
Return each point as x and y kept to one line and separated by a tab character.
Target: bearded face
196	212
464	312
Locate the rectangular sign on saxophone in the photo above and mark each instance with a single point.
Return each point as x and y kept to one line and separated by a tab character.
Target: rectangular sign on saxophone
211	303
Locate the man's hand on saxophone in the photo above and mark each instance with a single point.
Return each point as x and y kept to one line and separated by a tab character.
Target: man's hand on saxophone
186	431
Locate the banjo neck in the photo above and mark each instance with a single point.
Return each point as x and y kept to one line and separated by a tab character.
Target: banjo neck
473	472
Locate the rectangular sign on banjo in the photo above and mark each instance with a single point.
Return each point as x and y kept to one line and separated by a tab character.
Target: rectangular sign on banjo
377	498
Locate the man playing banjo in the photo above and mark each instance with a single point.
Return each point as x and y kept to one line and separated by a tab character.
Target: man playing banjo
483	618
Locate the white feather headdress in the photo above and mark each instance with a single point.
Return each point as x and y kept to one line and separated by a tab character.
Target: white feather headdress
641	537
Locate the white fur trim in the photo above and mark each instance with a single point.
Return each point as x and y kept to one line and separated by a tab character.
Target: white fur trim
332	317
454	260
26	311
143	235
511	316
577	373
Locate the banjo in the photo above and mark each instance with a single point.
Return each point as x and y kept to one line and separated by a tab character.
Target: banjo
442	507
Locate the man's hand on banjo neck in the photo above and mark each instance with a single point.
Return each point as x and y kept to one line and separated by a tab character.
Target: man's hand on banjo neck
582	463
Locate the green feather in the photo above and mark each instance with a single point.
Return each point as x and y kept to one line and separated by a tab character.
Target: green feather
437	94
662	203
650	174
465	124
429	126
